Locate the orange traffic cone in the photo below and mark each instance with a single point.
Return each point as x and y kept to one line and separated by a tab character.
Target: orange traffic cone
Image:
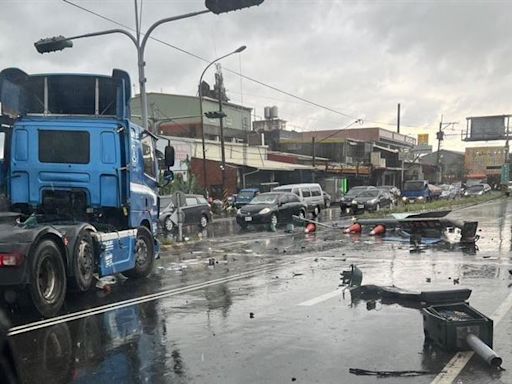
378	230
310	228
354	228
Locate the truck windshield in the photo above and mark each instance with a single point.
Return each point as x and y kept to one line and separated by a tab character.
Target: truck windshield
414	185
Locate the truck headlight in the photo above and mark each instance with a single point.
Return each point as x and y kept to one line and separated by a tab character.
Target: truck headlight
264	211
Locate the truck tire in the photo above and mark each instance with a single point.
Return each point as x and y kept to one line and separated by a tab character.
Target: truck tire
83	262
144	254
47	286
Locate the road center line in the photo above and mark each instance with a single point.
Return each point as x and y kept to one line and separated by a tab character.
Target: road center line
321	298
459	361
143	299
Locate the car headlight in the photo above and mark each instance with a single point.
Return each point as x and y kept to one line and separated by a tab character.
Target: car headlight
373	201
264	211
404	198
481	193
466	193
420	198
354	202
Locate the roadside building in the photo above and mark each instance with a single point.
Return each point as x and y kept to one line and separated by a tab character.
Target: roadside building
451	164
179	116
484	163
363	155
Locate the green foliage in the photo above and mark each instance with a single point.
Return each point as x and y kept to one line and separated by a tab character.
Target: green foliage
180	184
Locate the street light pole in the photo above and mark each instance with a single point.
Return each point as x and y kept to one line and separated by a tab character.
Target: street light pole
205	177
140	45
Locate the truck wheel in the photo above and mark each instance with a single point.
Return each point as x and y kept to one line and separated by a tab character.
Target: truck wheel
47	278
144	254
168	225
83	262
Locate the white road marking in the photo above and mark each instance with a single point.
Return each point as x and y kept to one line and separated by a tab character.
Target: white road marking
459	361
321	298
143	299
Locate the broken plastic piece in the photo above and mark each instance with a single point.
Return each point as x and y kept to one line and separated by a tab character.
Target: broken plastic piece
352	278
310	228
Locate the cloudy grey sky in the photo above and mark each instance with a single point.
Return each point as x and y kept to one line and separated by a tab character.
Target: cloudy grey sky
360	58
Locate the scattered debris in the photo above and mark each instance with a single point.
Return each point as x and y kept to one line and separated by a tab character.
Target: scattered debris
353	277
251	315
211	261
456	281
297	274
371	305
486	257
365	372
454	327
428	280
294	379
105	283
316	259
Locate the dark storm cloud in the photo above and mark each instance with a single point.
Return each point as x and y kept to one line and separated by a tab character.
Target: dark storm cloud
359	57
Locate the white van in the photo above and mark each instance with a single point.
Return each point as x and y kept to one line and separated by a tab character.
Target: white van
310	193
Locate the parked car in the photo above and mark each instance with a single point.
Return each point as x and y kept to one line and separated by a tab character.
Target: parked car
394	191
245	196
477	190
449	192
310	193
327	199
271	208
196	211
371	200
346	200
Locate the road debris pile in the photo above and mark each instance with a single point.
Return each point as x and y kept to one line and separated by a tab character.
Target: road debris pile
449	322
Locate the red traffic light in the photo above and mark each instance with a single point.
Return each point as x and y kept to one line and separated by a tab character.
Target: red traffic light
223	6
52	44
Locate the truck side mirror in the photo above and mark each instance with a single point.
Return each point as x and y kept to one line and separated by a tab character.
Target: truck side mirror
169	156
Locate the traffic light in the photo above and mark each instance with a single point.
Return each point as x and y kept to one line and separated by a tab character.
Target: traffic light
223	6
52	44
215	115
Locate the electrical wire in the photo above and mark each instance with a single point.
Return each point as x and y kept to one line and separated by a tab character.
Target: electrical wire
242	76
208	61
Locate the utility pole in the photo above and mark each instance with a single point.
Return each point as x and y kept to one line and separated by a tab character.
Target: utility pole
220	89
440	137
398	119
314	157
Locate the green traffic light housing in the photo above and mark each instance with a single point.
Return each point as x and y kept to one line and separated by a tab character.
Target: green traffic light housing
215	115
52	44
223	6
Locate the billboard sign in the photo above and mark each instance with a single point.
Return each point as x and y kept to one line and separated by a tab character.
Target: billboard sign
486	128
422	138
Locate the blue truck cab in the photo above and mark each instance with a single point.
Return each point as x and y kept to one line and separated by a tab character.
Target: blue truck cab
245	196
416	191
81	180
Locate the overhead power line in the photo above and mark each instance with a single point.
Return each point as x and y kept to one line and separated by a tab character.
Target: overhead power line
276	89
207	61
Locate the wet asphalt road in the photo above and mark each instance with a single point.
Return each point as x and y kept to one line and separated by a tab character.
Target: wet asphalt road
191	322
